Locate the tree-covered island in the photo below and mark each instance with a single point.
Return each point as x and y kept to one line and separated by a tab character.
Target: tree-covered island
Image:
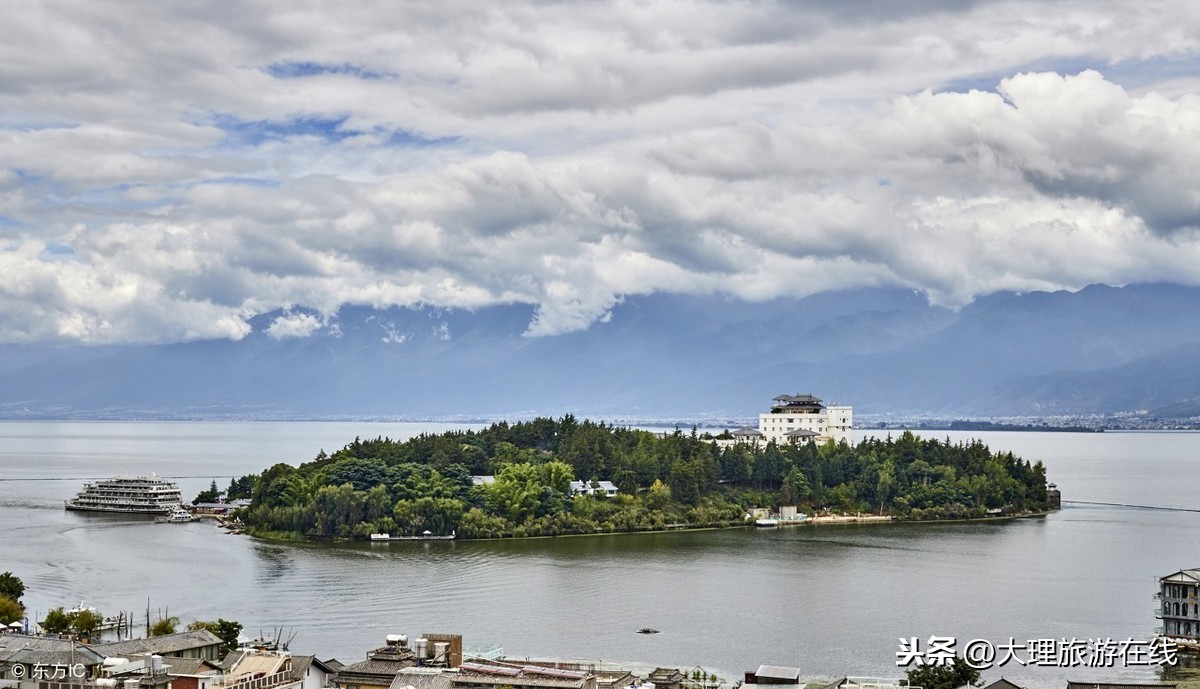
679	478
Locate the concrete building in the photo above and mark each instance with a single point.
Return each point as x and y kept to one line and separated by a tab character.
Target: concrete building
1179	605
804	418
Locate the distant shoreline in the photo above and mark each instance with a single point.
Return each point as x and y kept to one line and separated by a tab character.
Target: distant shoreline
988	426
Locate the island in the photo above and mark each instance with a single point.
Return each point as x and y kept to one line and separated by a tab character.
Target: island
551	477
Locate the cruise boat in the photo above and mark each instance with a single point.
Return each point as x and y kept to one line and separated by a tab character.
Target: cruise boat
135	495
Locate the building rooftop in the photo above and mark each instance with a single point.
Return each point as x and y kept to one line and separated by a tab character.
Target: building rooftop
791	674
190	666
747	433
259	662
170	643
1118	685
375	668
666	675
19	648
581	486
798	399
527	675
422	678
1183	576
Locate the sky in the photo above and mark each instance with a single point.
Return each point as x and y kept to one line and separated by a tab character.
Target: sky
168	171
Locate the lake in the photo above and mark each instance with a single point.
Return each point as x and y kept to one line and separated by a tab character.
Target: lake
831	600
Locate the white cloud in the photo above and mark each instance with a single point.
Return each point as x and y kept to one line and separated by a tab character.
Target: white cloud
292	325
169	174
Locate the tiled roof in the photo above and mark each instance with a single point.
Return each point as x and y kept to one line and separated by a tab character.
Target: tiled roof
376	668
797	399
19	648
190	666
421	678
300	665
171	643
232	658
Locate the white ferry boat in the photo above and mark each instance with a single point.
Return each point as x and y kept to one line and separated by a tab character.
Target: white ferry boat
177	516
137	494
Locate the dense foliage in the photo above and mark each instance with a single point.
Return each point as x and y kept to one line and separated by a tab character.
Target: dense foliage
11	590
164	626
227	630
11	586
83	623
10	610
677	478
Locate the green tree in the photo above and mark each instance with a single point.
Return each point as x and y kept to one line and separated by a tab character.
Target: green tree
950	676
86	622
516	493
57	621
658	496
165	626
796	483
213	494
241	487
11	586
885	484
227	630
10	610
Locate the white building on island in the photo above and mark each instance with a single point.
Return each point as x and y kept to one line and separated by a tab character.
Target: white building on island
804	418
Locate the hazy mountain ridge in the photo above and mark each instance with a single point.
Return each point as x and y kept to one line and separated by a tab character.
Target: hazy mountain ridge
1101	349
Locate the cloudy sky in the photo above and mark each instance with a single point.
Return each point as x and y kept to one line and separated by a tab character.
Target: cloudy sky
169	170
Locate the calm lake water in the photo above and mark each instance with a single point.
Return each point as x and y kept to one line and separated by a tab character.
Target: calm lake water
830	600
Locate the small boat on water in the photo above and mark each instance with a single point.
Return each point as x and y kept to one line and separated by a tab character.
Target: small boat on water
177	516
766	522
647	630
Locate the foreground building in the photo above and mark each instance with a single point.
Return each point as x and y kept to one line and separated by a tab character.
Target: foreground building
805	418
1179	605
199	643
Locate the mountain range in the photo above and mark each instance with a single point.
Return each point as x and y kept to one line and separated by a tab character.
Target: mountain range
1099	350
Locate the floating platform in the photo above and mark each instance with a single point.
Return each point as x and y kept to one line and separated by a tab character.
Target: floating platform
427	536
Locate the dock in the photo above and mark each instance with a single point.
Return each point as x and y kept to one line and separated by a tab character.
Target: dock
427	536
